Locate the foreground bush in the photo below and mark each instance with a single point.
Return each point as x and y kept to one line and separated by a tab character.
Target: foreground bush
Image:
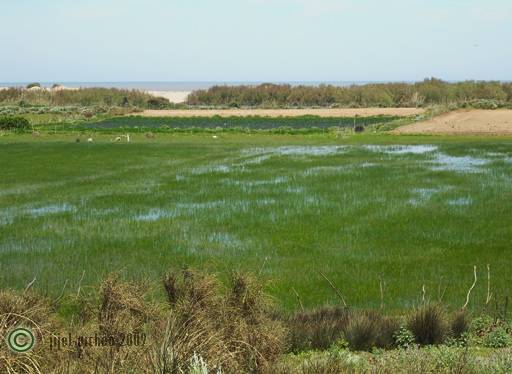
203	327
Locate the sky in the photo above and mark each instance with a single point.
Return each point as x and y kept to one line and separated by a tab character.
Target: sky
254	40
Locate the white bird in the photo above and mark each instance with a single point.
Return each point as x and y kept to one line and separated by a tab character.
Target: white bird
89	140
214	136
118	139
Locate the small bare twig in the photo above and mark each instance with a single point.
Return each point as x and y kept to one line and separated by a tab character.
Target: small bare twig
440	294
470	289
263	265
29	286
298	299
338	293
80	283
489	293
381	286
423	293
62	292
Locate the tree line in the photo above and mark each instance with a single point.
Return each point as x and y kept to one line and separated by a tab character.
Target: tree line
431	91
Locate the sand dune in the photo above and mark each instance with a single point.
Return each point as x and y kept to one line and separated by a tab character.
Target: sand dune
471	122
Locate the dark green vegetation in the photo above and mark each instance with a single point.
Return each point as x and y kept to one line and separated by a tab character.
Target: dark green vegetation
485	95
14	123
284	207
312	123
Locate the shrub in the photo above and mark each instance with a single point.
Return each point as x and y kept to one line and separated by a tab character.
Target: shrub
88	114
498	338
32	85
157	103
403	337
482	325
14	123
428	324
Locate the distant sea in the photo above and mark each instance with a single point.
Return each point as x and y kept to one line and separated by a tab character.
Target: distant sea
173	86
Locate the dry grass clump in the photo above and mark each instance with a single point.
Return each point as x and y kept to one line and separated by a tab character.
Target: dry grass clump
117	319
29	311
362	332
255	337
369	329
459	324
232	330
429	325
194	324
318	328
323	327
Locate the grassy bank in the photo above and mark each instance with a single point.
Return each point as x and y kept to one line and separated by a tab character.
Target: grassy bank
200	326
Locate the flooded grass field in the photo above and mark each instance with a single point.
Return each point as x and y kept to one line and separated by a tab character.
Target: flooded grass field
404	212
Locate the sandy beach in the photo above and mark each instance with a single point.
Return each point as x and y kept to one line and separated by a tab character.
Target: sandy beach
173	96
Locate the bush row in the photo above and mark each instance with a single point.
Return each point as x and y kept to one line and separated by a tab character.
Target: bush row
365	330
428	92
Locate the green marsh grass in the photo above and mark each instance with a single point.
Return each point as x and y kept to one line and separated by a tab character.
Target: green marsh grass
283	207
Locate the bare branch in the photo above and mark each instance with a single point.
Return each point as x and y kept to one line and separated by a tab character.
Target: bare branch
298	299
338	293
471	289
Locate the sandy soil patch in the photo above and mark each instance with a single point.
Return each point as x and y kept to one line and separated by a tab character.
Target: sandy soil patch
477	122
173	96
341	112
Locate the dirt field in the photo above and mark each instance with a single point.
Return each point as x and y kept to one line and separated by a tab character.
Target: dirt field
342	112
477	122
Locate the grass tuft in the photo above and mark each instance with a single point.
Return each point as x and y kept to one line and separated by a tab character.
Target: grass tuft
428	324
